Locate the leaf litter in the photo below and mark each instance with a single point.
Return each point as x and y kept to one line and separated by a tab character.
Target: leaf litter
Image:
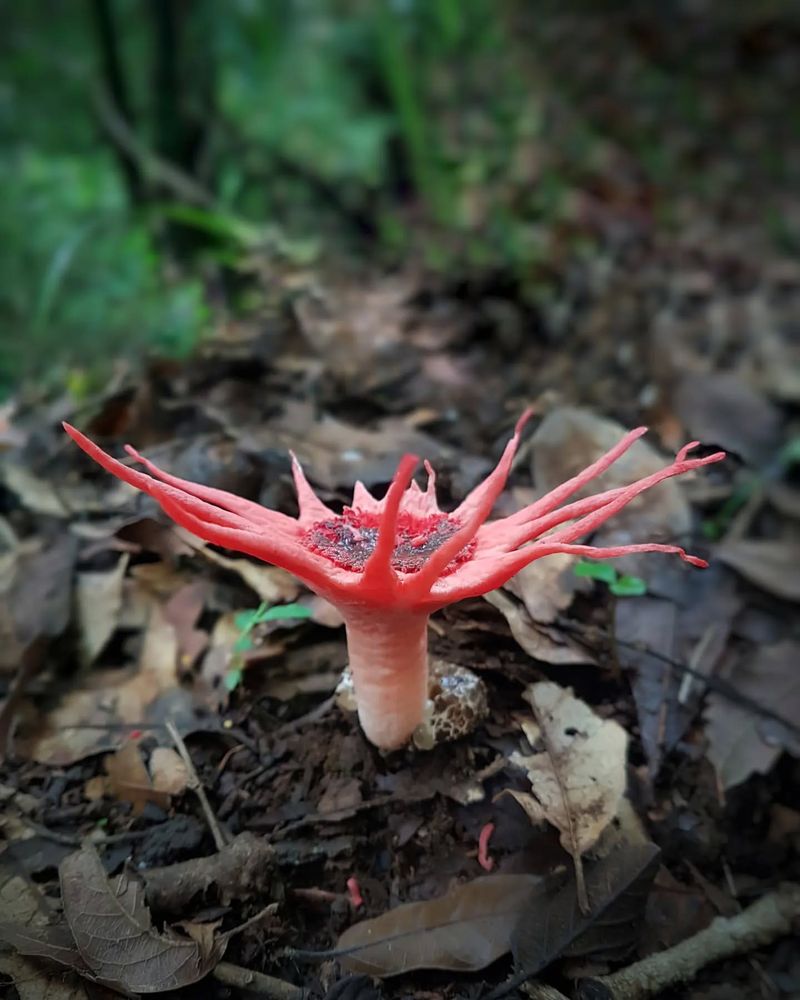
577	771
706	666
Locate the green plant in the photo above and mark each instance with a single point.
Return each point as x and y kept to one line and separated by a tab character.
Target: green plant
620	584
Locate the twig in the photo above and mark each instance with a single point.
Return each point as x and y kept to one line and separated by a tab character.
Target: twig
760	924
256	982
195	784
267	911
541	991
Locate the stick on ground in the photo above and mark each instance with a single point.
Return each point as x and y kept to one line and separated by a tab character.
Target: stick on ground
773	916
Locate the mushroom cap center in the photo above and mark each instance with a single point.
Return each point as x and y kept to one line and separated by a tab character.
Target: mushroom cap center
349	539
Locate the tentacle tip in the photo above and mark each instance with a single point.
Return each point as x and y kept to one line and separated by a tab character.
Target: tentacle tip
526	415
133	453
694	560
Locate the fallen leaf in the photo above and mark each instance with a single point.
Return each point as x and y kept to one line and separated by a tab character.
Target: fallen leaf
168	771
770	564
674	912
98	598
722	409
646	631
113	931
554	925
741	742
33	982
569	439
272	584
36	601
540	641
466	929
26	911
129	781
335	453
576	770
182	612
66	496
546	586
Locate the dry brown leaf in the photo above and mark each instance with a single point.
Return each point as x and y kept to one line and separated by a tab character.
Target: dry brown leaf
721	408
168	771
98	598
28	910
546	586
569	439
129	781
465	930
182	612
66	498
740	742
87	720
273	585
770	564
114	934
577	769
336	454
539	641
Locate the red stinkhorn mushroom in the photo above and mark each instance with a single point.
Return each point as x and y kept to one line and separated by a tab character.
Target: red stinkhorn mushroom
388	564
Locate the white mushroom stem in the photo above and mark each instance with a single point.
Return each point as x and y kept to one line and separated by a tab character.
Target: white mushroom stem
389	663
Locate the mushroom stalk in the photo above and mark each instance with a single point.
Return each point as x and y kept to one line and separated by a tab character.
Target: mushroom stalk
389	664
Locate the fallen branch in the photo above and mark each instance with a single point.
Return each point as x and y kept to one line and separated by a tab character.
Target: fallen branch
256	982
241	870
771	917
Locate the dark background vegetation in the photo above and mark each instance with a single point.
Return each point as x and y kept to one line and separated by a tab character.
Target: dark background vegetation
149	148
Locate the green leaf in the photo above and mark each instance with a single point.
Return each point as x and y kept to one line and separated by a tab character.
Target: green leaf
233	679
790	453
245	620
243	644
602	571
282	612
628	586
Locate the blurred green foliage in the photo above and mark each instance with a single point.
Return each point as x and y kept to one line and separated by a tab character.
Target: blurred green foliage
146	144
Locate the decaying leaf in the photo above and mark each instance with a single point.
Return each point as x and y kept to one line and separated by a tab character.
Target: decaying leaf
272	584
569	439
98	596
546	586
129	781
466	929
722	408
576	770
540	641
168	771
771	564
740	742
555	925
114	935
25	913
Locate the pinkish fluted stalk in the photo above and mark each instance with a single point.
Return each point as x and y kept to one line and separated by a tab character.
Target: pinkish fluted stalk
389	663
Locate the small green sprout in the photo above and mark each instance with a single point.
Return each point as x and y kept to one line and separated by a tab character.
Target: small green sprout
246	621
621	585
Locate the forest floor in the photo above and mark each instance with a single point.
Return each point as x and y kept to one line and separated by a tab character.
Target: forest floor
114	623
